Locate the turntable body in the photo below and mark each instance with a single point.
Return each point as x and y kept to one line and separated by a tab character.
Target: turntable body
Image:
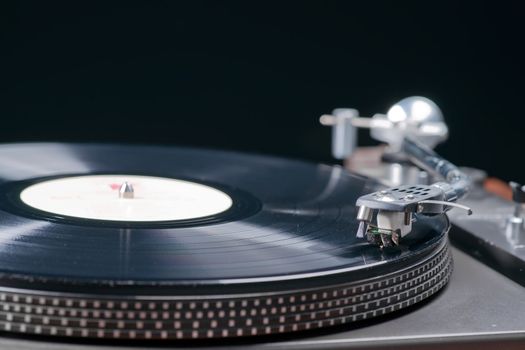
106	246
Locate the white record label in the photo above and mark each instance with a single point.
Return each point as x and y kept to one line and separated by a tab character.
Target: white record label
152	198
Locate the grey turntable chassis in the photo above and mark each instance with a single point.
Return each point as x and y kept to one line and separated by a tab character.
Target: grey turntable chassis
479	309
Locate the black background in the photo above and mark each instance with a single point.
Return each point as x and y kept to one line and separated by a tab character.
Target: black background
255	76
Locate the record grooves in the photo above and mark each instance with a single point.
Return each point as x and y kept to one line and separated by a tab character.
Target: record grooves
267	246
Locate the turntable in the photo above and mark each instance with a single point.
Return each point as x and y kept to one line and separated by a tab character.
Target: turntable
109	245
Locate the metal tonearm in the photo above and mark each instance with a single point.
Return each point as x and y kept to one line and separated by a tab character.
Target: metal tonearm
386	216
411	128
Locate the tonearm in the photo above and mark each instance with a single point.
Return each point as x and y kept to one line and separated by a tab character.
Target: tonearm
411	127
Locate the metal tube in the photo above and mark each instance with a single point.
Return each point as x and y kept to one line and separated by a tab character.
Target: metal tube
457	183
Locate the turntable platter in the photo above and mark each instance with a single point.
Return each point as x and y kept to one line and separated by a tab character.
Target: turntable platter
203	244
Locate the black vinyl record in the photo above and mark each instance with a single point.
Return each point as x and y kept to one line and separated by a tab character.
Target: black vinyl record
291	227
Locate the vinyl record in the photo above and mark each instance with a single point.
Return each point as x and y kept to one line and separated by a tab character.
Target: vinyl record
199	231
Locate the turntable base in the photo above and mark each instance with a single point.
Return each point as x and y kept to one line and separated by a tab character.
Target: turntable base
473	312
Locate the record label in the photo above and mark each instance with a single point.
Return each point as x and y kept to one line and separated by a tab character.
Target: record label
150	198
